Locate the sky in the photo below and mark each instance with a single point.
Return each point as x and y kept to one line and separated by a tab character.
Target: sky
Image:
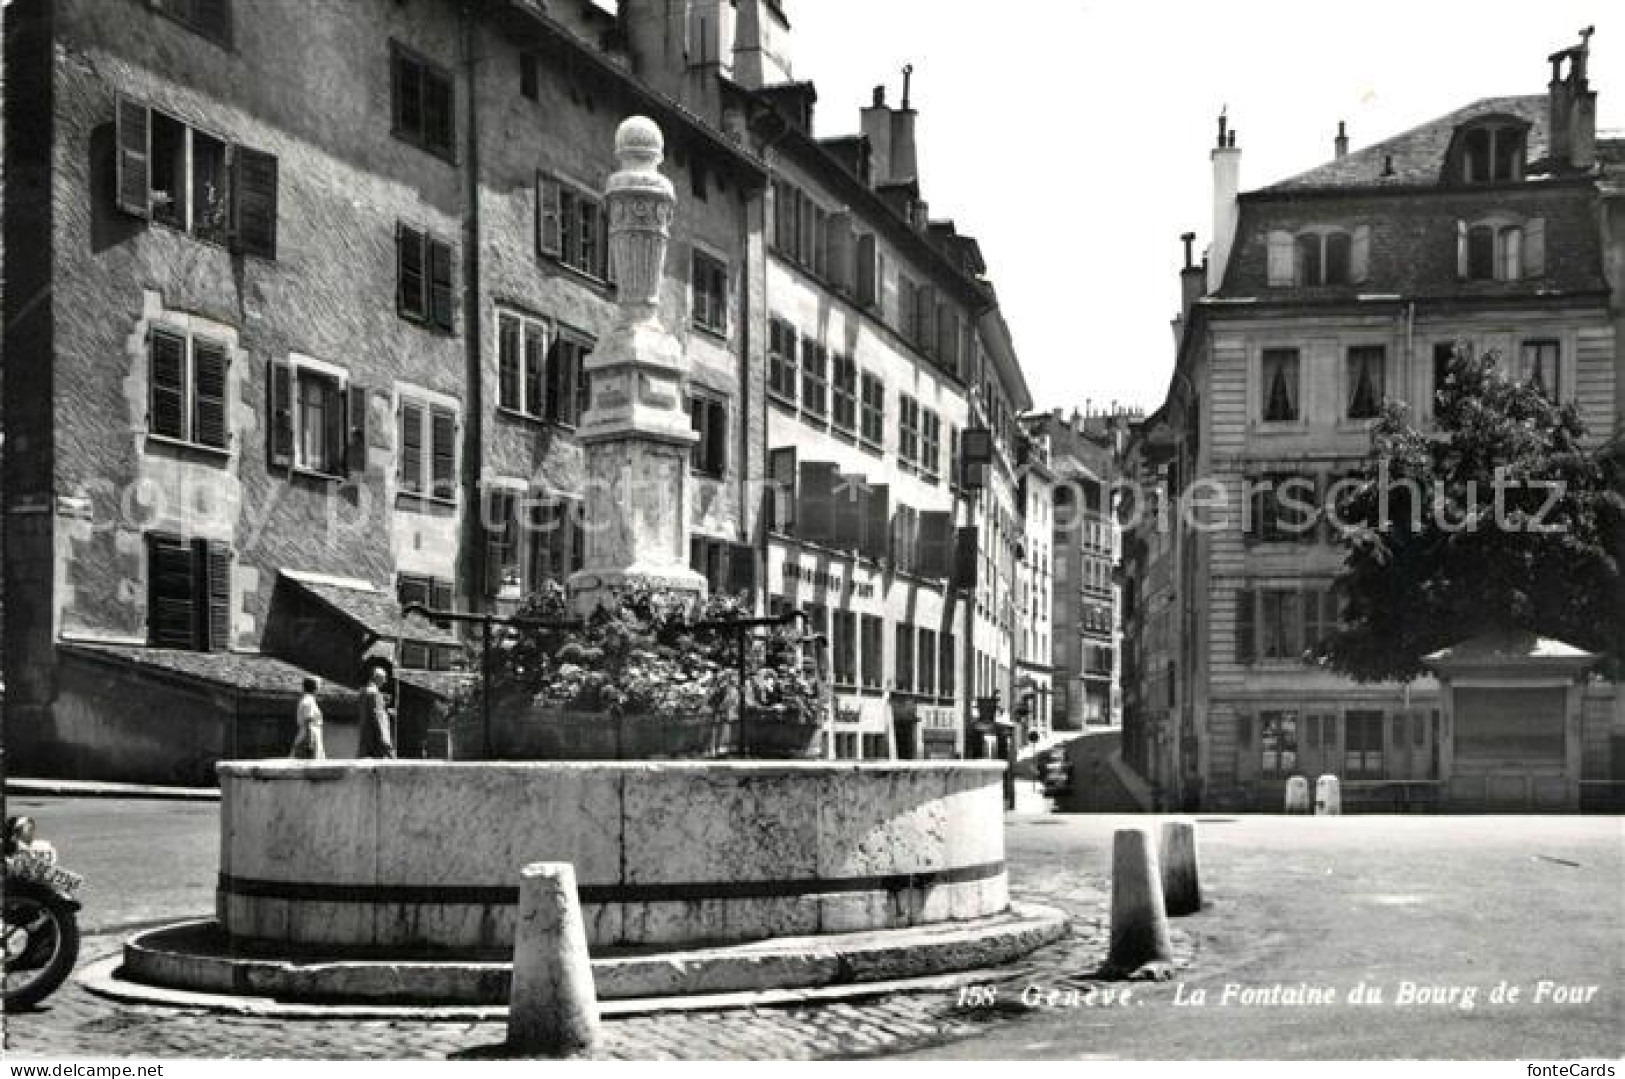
1071	137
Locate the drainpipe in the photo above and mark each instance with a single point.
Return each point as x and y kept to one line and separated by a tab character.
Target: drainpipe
471	566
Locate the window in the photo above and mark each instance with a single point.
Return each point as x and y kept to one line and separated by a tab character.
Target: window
1367	381
1443	353
926	666
845	393
904	679
709	417
431	592
1281	629
846	745
434	594
908	437
781	360
423	278
814	378
1279	367
710	293
1500	250
1278	742
930	443
188	389
424	113
1362	745
873	629
572	228
874	410
946	668
1319	257
318	422
845	649
427	461
567	378
188	594
781	483
874	747
804	233
176	175
210	18
1283	509
1541	368
502	543
1481	253
521	363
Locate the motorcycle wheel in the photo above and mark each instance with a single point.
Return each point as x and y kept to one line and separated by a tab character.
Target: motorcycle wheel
41	943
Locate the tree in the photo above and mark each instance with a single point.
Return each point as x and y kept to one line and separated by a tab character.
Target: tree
1500	519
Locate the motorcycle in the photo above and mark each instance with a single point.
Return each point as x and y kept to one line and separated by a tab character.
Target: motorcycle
41	917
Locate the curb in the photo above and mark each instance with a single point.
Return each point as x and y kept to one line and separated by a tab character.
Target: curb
78	788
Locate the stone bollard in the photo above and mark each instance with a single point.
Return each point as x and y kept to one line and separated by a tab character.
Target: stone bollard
552	1005
1181	878
1328	797
1139	936
1297	795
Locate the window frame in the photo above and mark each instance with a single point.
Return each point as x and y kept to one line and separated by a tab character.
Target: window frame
1530	364
708	292
814	379
569	247
871	411
526	379
1280	354
190	397
424	306
568	413
783	363
404	60
430	409
209	610
709	456
1364	352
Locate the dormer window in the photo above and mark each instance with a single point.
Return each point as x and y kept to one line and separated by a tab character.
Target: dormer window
1492	152
1319	257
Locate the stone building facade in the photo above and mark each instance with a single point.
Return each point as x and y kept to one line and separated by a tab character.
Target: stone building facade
1322	296
301	333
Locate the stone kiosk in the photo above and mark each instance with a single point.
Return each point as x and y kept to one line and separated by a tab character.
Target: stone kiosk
373	881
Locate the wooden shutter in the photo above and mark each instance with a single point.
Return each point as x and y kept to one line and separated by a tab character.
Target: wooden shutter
216	563
549	216
815	509
1461	250
876	520
280	428
440	287
1360	255
1534	247
355	450
411	447
535	367
606	262
170	584
336	433
440	595
868	281
508	361
254	202
168	402
1282	259
839	260
411	273
443	452
781	470
209	394
936	544
1246	627
716	433
133	168
850	492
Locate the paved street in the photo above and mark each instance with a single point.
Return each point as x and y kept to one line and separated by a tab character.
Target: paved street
1436	901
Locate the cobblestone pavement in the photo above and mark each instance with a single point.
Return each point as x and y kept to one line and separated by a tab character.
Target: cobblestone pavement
76	1023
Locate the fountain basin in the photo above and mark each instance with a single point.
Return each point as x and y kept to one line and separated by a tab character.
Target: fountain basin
426	855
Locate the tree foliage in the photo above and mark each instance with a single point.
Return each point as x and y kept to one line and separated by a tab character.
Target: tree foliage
1498	519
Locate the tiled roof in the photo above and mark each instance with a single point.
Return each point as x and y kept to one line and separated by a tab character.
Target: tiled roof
1418	154
443	684
1504	647
373	611
246	672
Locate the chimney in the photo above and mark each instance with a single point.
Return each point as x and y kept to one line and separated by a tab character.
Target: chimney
1340	145
1572	108
877	127
904	159
1192	278
748	68
1226	186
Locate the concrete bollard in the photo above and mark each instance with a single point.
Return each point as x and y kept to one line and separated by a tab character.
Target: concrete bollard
1139	936
552	1005
1328	797
1297	795
1181	878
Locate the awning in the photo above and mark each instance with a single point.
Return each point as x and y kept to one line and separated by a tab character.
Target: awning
371	610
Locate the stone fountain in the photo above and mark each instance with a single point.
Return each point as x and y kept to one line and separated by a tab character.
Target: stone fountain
397	881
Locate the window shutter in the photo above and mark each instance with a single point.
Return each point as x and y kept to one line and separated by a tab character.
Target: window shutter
508	361
209	394
876	519
535	367
411	447
851	491
440	288
355	451
410	272
716	421
499	510
443	451
1282	259
170	584
549	216
1534	247
254	202
868	281
133	167
1461	250
781	470
1360	255
1246	627
606	261
440	595
815	511
936	544
168	402
281	426
336	434
217	578
838	230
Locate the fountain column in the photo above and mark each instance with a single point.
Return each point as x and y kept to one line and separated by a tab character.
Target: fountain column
636	431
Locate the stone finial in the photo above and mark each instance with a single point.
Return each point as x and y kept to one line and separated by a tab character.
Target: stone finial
641	204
